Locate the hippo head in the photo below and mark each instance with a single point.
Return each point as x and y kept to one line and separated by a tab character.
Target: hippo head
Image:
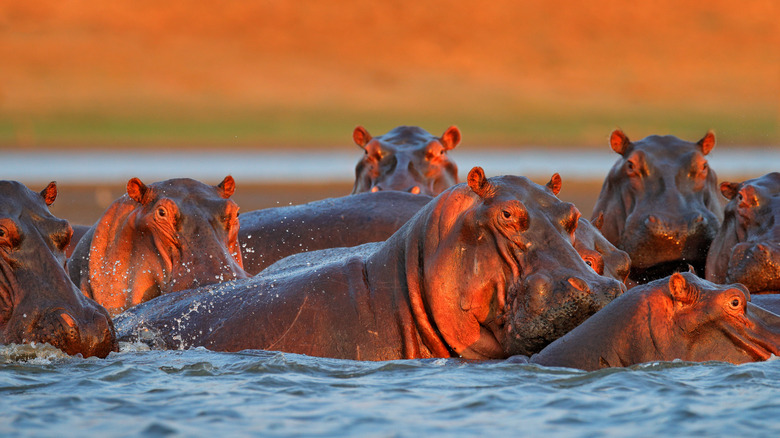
406	159
160	238
598	253
38	302
678	317
499	273
747	248
660	204
595	250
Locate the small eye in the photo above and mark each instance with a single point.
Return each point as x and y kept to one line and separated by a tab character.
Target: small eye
2	232
735	303
589	263
161	213
630	166
506	214
739	197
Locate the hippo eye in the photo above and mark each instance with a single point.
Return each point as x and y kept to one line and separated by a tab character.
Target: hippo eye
161	213
506	214
735	303
630	166
589	263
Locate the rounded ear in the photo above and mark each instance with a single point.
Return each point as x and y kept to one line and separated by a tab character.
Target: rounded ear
49	194
707	143
450	138
478	183
619	141
555	184
599	221
361	136
136	190
227	187
729	189
678	286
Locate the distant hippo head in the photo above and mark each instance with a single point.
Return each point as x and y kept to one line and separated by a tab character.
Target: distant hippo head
38	302
679	317
747	248
660	204
501	276
165	237
406	159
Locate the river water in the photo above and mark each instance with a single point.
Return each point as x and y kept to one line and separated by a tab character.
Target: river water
257	393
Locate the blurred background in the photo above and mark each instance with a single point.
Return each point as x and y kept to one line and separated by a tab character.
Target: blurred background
87	76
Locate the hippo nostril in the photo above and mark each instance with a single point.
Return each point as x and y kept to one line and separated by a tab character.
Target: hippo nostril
698	219
579	284
651	220
415	190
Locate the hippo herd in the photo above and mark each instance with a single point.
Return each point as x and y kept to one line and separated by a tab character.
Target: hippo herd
412	264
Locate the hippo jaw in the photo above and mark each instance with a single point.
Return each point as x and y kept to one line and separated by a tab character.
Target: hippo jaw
756	266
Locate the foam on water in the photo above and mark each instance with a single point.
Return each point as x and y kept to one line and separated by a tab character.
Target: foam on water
138	392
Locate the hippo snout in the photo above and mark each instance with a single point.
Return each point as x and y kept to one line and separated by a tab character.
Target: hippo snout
90	335
756	265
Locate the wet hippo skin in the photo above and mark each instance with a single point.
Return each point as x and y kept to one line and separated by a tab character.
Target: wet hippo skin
38	302
679	317
159	238
485	270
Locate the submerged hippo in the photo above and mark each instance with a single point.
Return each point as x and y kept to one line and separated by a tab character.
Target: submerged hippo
660	204
39	302
406	159
485	270
271	234
747	248
164	237
679	317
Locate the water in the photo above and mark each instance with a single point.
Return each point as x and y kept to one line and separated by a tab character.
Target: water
202	393
107	167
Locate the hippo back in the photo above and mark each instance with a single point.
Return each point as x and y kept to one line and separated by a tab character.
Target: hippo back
39	302
660	204
272	234
407	159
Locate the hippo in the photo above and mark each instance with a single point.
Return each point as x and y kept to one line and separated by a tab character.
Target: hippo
486	270
597	252
679	317
747	247
407	159
39	302
660	204
159	238
271	234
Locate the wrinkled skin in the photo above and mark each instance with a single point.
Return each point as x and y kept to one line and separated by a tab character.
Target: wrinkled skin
678	317
596	251
272	234
747	247
165	237
406	159
38	302
660	204
485	270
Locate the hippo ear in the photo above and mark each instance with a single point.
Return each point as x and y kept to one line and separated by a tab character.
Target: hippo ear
136	190
681	293
555	184
599	221
361	136
619	142
707	143
49	194
450	138
729	189
479	184
227	187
